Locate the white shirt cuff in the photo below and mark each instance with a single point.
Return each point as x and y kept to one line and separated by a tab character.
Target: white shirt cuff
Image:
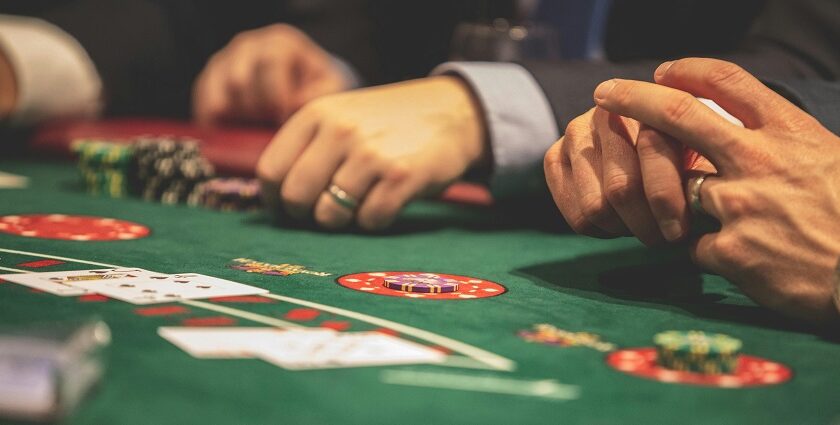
55	76
520	122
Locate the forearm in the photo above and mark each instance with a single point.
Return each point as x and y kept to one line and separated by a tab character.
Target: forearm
8	87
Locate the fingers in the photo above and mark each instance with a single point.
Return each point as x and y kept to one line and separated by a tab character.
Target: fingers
729	85
310	174
561	183
355	176
583	154
676	113
388	196
710	196
659	162
288	144
210	96
622	177
706	253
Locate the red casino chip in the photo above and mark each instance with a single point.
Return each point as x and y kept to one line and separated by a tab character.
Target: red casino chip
71	227
468	287
750	372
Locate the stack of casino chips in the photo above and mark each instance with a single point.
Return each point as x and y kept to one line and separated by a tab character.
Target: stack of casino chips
105	167
695	351
227	194
168	169
425	283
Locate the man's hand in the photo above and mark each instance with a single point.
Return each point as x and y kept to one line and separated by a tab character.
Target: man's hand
264	76
611	176
777	194
383	146
8	87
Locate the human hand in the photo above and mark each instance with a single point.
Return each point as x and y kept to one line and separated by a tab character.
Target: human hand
777	191
383	146
8	87
611	176
264	76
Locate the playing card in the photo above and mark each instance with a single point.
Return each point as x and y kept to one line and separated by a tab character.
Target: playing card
300	348
217	343
72	283
304	349
168	288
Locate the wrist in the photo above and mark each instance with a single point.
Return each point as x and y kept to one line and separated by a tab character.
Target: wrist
8	87
471	121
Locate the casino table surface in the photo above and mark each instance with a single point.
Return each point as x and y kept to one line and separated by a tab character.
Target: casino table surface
574	283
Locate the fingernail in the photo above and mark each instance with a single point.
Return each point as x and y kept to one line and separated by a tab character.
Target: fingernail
604	89
671	229
660	72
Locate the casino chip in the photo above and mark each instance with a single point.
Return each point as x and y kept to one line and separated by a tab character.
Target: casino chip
227	194
71	227
167	169
423	285
696	351
104	167
749	371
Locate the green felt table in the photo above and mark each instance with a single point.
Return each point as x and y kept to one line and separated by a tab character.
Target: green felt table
551	277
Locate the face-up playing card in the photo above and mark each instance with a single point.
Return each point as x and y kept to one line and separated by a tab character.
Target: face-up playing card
164	288
71	283
303	349
300	348
217	343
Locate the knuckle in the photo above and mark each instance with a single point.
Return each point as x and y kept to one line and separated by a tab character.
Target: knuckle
368	155
678	108
652	147
552	158
621	93
593	206
344	130
577	128
727	248
664	199
397	172
726	74
620	189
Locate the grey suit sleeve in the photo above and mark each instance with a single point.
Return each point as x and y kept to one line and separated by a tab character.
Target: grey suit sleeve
519	119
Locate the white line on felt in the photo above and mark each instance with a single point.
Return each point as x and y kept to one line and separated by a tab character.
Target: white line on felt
486	357
543	388
14	270
464	362
242	314
35	254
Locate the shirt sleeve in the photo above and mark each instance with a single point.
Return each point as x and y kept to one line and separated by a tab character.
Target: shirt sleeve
520	122
55	76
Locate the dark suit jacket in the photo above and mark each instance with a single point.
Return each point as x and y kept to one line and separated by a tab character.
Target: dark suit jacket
819	98
776	39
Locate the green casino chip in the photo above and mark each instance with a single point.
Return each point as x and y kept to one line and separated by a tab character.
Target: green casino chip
696	351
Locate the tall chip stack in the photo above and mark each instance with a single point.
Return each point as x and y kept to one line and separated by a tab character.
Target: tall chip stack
162	169
167	169
696	351
105	167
